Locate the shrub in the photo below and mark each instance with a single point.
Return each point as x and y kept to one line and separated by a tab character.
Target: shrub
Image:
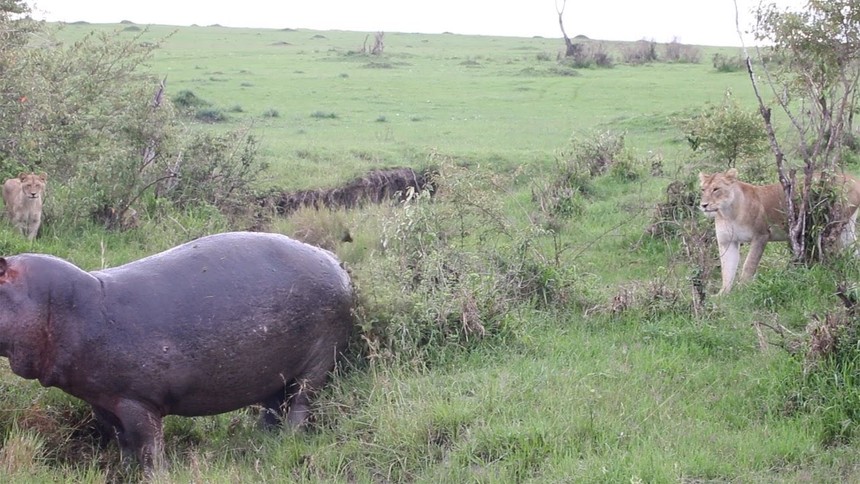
725	63
729	136
589	55
217	170
188	102
639	52
323	115
108	135
210	115
451	268
678	52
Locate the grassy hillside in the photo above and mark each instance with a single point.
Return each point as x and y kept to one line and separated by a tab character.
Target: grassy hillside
611	374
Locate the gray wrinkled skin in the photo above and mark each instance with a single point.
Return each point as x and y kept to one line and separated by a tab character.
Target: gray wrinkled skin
207	327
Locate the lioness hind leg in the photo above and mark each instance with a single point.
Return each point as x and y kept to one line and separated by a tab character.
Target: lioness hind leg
848	237
753	258
729	259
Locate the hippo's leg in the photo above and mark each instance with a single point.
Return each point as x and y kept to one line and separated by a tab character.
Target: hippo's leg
140	432
273	410
107	425
302	392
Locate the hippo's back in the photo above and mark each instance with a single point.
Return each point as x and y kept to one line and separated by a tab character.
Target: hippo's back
239	311
229	270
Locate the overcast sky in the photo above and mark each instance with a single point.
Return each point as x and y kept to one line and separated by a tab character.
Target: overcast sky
703	22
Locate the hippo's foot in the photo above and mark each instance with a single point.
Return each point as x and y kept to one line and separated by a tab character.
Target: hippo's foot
300	405
273	411
270	419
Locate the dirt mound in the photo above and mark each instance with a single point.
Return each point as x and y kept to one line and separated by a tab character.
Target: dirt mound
376	186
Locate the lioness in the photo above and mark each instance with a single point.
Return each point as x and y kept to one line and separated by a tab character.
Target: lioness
745	213
23	199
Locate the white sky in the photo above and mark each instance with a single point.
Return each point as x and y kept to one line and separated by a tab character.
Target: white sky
702	22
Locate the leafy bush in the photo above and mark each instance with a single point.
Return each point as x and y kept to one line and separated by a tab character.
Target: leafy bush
563	192
725	63
589	55
677	52
108	135
452	268
729	136
323	115
188	102
210	115
639	52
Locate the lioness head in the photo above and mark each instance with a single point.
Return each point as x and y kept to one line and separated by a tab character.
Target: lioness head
33	185
717	191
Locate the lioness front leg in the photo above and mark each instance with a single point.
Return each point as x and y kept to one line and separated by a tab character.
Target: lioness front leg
729	259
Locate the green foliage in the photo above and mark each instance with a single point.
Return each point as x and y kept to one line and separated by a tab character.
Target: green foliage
728	135
210	115
187	101
90	116
454	266
639	52
728	63
589	54
216	169
818	42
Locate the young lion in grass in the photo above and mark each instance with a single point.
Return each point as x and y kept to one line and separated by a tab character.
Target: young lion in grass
23	198
754	214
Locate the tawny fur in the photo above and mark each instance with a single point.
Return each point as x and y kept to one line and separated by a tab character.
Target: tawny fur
23	199
756	214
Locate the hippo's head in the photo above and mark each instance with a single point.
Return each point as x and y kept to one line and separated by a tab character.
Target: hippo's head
32	289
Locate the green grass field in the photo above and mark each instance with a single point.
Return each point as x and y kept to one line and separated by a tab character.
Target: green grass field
571	392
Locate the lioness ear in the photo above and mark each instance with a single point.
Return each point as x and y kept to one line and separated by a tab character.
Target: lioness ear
702	178
22	176
43	176
732	173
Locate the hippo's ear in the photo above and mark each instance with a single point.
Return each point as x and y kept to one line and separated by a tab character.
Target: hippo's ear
3	266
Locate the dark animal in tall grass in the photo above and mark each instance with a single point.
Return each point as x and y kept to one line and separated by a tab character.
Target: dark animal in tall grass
207	327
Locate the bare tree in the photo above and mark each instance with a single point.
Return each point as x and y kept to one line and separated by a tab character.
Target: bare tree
378	44
571	49
818	47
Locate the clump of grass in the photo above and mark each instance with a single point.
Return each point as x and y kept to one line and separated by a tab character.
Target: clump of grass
210	115
563	191
725	63
323	115
271	113
20	452
378	65
452	267
186	100
322	228
236	109
381	119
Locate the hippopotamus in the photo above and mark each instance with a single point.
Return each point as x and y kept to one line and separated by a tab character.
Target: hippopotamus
207	327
